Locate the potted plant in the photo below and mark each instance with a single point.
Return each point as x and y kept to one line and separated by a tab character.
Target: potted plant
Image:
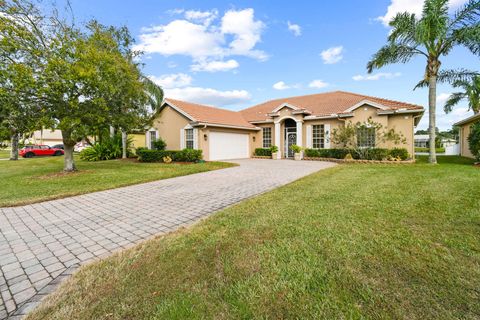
297	150
274	150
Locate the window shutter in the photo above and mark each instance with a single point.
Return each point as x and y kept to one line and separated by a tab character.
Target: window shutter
195	138
327	136
309	136
182	139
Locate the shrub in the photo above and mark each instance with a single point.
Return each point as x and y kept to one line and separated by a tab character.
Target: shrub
109	148
295	148
401	153
364	154
263	152
274	149
185	155
188	155
474	141
159	144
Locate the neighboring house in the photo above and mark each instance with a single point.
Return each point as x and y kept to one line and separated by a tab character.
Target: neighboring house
421	140
46	137
307	121
464	130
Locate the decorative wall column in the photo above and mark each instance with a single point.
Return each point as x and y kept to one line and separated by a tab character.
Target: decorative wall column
299	135
277	139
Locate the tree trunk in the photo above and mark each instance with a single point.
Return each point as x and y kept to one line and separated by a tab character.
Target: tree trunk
112	131
432	106
124	144
68	144
14	151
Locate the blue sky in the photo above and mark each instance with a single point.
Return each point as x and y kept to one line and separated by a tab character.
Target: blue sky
236	54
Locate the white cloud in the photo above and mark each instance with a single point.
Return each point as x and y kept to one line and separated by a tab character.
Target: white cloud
318	84
280	85
295	29
199	37
445	121
181	37
412	6
332	55
203	17
376	76
214	66
209	96
246	31
172	80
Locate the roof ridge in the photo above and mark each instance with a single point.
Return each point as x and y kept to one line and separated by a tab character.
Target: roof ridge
383	99
201	105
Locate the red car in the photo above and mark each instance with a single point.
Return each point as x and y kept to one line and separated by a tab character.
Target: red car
41	150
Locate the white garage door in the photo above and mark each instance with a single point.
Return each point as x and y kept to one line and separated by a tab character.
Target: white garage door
225	146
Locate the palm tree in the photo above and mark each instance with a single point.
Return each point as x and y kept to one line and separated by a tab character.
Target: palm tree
431	36
471	91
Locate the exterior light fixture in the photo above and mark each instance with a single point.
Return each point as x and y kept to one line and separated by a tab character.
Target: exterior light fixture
205	137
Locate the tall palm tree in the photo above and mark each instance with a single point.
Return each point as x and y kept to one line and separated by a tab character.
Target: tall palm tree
471	91
432	36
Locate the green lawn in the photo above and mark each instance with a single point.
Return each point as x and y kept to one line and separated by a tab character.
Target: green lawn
38	179
352	242
4	154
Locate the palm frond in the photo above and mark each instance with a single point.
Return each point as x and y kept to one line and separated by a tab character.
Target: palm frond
453	100
451	76
403	28
469	37
467	15
154	92
392	53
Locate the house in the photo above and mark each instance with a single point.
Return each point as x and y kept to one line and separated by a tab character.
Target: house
306	121
46	137
423	141
464	131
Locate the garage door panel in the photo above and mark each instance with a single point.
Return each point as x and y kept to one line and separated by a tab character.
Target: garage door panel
225	145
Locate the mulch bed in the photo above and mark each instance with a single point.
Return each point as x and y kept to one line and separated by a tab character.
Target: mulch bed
359	161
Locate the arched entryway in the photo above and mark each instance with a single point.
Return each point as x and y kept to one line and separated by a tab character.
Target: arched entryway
290	136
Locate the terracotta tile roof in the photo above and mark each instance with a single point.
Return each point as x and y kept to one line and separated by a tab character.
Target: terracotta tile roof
213	115
322	104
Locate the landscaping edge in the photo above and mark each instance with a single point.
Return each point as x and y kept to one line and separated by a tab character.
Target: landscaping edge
411	161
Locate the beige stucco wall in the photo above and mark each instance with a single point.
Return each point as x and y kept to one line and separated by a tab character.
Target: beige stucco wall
168	124
464	147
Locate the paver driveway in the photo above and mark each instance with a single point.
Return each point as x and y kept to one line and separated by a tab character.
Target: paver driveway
43	243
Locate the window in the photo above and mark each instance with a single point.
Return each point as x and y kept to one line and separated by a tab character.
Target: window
366	137
189	138
318	136
267	137
153	137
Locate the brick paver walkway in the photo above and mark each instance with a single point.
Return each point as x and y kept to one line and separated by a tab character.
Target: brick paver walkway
43	243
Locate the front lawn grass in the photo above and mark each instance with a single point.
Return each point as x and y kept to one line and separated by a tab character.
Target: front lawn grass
4	154
357	241
37	179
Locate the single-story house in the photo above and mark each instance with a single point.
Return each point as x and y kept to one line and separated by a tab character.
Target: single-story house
464	130
423	141
46	137
306	121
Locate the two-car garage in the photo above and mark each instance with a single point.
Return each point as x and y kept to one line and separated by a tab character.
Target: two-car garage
226	145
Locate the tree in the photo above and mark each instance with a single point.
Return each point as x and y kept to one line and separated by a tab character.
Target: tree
431	36
474	140
471	92
19	110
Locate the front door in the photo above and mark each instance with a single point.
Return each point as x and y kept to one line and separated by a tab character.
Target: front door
291	140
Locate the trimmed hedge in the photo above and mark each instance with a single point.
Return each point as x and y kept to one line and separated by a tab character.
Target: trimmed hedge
362	154
185	155
263	152
437	150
